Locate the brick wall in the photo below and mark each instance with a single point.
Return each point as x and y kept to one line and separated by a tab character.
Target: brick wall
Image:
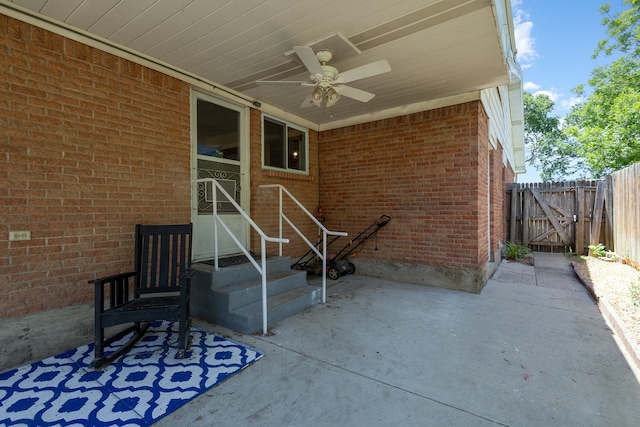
264	202
498	207
427	170
91	145
484	185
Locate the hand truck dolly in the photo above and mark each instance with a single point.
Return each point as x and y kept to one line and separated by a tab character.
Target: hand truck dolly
339	264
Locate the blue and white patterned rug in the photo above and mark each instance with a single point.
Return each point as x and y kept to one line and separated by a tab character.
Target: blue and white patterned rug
137	389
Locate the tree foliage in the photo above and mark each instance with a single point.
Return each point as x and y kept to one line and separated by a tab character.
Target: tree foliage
623	30
606	127
549	151
602	134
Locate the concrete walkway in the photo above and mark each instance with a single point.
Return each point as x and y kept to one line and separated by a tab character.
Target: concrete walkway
531	350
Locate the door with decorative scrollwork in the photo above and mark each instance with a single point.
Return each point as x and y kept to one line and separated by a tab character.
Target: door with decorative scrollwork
218	136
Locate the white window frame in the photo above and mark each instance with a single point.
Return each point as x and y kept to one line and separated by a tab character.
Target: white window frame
287	125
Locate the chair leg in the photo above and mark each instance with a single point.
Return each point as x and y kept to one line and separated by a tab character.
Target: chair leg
98	342
184	337
100	360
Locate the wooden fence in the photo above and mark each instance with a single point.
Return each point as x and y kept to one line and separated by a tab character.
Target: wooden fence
559	216
564	216
625	215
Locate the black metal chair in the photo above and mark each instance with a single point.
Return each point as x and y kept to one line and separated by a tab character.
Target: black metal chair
157	289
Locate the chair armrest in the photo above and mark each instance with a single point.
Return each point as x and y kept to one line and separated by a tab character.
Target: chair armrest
106	279
118	289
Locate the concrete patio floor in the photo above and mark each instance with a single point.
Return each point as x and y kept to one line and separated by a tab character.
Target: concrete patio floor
531	350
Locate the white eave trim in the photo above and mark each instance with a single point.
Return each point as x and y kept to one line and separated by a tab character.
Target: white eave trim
403	111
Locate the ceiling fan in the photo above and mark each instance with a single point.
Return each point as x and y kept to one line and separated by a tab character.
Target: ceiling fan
328	82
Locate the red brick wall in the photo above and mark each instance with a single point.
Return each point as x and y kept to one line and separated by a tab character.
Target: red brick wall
497	199
91	145
264	202
484	186
427	170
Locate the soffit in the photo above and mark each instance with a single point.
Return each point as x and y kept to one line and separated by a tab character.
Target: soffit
436	49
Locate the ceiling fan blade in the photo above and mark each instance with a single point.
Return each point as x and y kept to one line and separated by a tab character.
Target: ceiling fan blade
277	82
357	94
307	102
364	71
308	58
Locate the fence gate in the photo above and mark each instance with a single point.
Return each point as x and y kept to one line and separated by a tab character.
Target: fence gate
556	217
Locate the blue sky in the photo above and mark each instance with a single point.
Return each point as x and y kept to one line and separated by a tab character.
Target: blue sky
555	41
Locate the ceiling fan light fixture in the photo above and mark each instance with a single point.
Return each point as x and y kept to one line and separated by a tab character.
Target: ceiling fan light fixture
316	96
332	97
328	81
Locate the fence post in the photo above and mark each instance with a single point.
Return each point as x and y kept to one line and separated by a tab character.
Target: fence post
598	207
526	199
609	241
580	217
514	204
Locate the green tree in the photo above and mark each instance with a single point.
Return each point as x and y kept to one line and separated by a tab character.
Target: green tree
624	35
605	129
548	150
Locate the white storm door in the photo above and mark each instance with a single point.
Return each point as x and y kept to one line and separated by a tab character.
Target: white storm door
218	153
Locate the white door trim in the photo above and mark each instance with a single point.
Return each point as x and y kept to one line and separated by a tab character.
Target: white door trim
245	196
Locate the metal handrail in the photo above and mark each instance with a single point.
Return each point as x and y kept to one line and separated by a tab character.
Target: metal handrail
262	268
325	232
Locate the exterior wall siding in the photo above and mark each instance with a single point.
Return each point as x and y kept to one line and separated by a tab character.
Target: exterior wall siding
91	145
429	172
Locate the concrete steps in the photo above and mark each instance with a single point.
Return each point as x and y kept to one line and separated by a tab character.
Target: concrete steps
232	296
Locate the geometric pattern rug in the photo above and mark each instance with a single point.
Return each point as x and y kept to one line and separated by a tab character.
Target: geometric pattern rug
137	389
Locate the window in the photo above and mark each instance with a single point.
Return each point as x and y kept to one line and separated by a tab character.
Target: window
218	137
218	131
284	146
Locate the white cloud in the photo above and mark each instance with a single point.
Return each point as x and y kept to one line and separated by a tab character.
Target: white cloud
562	105
527	55
525	43
531	86
568	103
554	96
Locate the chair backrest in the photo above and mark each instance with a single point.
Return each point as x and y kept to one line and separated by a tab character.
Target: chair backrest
163	254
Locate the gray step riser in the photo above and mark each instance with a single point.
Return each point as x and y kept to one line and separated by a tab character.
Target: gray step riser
248	319
251	292
204	305
238	304
248	323
247	272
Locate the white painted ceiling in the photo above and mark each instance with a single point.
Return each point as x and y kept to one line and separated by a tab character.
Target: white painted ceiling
436	49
